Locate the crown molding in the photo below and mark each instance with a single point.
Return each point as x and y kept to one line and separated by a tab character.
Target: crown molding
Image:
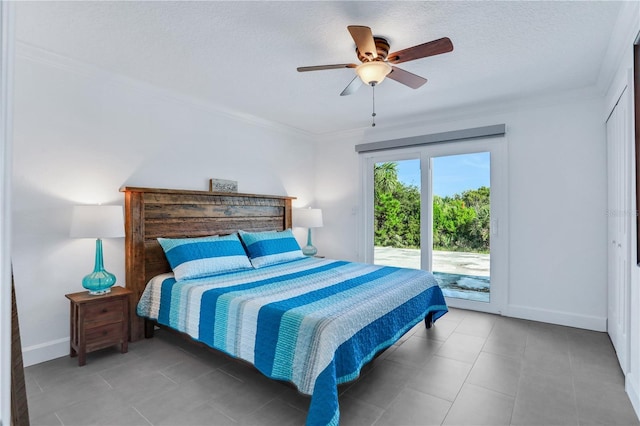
51	59
616	48
624	34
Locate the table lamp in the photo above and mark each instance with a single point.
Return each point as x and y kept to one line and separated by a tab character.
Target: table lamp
308	218
98	222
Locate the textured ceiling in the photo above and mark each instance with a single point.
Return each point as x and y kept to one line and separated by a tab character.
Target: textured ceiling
243	55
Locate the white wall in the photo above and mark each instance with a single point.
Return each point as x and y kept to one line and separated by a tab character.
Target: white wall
80	135
557	202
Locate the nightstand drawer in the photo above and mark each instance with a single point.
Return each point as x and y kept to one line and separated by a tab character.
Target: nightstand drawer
102	337
104	312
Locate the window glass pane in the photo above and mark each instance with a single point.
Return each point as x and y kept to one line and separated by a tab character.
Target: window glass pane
397	213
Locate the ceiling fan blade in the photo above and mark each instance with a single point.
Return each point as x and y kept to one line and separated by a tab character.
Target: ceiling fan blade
364	40
406	78
352	87
431	48
326	67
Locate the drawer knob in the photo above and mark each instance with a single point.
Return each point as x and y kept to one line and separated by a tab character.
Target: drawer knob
104	310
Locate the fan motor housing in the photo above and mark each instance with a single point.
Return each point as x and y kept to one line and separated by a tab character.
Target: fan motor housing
382	49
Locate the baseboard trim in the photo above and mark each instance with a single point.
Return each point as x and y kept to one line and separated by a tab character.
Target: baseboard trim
632	392
568	319
46	351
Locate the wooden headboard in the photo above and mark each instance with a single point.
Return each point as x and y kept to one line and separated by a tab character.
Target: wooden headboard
151	213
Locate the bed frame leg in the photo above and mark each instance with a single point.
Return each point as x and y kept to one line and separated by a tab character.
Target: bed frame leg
428	320
149	327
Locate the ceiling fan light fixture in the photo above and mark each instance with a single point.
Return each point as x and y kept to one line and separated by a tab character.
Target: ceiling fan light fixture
373	72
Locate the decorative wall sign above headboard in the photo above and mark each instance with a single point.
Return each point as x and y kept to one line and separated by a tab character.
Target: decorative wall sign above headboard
222	185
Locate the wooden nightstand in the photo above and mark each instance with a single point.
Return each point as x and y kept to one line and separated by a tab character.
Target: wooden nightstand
98	322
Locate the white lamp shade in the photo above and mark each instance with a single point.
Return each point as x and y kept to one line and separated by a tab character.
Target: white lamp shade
307	218
373	72
97	222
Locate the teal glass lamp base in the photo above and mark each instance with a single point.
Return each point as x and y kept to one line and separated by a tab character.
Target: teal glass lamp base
309	249
99	281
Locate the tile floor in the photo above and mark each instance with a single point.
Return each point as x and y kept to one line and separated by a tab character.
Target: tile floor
470	369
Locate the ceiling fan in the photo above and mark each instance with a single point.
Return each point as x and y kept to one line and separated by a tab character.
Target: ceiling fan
376	64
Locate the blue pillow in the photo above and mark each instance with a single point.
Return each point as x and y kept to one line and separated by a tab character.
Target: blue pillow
200	257
271	247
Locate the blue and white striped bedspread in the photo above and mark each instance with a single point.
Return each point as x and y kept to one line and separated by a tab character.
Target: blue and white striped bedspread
312	322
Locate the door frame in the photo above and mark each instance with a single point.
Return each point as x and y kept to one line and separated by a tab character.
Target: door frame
497	146
7	28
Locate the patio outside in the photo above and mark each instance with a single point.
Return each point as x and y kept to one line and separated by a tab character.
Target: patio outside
460	274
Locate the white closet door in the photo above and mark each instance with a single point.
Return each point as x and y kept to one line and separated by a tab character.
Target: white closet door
618	175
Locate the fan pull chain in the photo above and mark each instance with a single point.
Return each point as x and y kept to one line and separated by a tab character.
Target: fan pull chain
373	114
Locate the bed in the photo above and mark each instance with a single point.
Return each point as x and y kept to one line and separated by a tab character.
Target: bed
312	322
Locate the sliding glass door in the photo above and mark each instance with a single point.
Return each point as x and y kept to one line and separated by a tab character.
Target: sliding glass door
438	208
